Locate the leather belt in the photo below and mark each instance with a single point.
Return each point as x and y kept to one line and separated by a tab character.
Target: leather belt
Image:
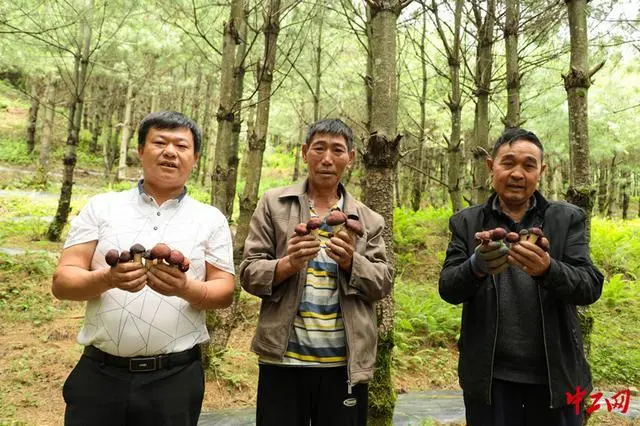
144	364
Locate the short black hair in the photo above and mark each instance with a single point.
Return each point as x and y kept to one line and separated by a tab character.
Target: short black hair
331	126
515	134
169	120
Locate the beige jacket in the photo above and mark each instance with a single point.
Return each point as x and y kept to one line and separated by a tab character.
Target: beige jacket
272	224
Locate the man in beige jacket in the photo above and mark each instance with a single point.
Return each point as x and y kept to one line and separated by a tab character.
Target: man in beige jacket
317	331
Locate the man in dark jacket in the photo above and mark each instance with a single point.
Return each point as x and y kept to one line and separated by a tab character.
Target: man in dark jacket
520	346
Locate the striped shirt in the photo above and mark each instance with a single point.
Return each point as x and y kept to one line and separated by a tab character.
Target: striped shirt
317	337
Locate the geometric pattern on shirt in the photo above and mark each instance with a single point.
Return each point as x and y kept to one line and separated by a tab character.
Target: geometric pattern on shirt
146	323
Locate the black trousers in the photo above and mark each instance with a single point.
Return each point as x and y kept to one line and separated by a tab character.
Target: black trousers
98	394
299	396
519	404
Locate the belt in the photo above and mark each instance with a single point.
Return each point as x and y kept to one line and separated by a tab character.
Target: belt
144	364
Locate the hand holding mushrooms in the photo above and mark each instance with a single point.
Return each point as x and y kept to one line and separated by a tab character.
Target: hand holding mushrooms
304	245
490	256
124	273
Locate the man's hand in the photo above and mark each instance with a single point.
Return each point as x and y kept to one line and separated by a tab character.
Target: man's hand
301	249
127	276
530	258
167	280
340	248
490	258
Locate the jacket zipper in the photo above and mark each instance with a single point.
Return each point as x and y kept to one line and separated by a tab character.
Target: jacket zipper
346	334
495	337
546	353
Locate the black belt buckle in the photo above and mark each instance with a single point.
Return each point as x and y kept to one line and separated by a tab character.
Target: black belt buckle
138	365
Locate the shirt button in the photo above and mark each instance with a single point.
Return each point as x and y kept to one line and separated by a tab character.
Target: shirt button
158	213
155	228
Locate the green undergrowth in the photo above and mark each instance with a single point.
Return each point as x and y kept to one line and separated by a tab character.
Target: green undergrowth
24	292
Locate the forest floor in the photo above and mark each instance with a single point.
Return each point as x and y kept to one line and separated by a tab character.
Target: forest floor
37	332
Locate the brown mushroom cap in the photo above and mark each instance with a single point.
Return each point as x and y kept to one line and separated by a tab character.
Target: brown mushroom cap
336	217
184	267
137	249
543	243
160	251
112	257
355	226
175	258
498	234
524	232
482	236
125	257
314	223
536	231
512	237
301	229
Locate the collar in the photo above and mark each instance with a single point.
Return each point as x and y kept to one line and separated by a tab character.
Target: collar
299	190
495	205
149	197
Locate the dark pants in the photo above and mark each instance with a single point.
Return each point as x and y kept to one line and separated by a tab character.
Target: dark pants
296	396
518	404
98	394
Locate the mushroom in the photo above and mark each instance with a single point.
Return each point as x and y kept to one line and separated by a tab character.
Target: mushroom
125	257
524	235
301	230
314	224
483	236
354	228
534	234
112	257
512	237
175	259
159	251
497	234
185	265
336	219
136	251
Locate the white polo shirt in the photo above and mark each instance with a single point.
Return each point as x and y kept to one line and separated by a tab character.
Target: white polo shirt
147	323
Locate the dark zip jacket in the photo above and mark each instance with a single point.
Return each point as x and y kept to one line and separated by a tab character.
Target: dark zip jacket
572	280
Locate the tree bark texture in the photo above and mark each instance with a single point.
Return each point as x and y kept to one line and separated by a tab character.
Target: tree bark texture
49	104
81	65
225	114
512	19
454	103
380	161
126	132
483	74
602	188
32	118
258	137
233	159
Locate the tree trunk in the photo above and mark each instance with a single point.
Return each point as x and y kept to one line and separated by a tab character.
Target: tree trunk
49	103
233	160
602	188
296	164
126	133
380	161
624	195
576	83
81	65
258	137
32	119
611	188
206	121
483	74
512	18
454	103
225	114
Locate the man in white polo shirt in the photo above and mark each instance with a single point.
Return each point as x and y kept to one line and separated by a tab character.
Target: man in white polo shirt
141	364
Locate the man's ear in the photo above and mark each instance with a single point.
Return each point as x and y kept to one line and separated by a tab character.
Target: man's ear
305	149
140	149
490	163
352	157
543	168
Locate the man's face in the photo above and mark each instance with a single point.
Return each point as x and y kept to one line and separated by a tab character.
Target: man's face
516	170
167	157
327	156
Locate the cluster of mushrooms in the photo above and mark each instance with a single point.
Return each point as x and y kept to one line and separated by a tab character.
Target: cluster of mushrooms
159	253
533	235
337	220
